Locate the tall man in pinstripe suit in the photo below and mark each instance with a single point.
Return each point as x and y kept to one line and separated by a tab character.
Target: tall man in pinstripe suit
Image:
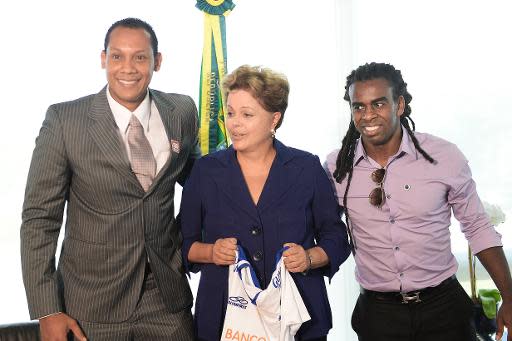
120	273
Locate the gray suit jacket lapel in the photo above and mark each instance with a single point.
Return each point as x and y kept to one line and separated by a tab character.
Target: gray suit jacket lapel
105	133
172	123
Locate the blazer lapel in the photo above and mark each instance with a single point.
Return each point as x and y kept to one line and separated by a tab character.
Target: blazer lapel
105	133
231	182
172	123
282	176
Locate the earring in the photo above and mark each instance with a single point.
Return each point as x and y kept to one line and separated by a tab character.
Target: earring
273	133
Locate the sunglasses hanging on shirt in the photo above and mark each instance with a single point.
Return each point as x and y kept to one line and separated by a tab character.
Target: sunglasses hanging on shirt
377	196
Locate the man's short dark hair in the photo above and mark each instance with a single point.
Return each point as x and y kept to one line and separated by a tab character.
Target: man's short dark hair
134	23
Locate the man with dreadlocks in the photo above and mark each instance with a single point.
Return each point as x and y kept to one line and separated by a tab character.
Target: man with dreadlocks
398	189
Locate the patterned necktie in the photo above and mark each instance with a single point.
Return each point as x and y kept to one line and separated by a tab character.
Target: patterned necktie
142	159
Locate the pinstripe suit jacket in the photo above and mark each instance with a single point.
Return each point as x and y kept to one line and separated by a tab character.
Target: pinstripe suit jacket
112	225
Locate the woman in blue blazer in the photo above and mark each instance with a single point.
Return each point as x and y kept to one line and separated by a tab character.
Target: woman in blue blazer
261	195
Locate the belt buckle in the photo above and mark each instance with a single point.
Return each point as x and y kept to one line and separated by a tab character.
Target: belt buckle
413	297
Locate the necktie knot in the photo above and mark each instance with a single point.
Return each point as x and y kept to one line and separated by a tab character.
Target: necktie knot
142	160
134	122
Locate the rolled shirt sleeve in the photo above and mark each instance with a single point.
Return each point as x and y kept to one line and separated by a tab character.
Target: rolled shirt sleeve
469	211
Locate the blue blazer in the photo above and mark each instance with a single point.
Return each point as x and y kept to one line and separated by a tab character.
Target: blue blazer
296	205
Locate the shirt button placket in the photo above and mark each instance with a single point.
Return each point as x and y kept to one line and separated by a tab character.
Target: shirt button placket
257	256
255	231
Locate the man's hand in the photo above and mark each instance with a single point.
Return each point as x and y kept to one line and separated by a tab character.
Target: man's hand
295	258
504	319
224	251
56	328
494	261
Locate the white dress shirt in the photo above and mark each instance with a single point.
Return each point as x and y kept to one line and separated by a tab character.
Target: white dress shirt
154	129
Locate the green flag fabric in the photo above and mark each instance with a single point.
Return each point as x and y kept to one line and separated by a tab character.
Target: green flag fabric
212	128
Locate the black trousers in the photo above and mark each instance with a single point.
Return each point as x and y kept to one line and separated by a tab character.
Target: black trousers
444	314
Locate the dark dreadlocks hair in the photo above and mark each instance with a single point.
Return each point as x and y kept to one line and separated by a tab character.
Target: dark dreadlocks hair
345	159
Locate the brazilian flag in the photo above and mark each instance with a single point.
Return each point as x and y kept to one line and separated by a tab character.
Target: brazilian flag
212	127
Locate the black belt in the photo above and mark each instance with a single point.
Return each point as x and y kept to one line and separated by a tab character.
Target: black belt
407	297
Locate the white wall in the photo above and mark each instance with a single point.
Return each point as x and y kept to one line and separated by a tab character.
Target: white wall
455	57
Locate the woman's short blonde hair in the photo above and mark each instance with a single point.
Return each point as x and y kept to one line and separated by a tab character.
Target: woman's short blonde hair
268	87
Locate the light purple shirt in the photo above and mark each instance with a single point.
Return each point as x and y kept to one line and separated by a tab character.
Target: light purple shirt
405	245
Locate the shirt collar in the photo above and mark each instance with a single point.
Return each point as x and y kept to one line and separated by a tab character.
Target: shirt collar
406	146
360	153
122	115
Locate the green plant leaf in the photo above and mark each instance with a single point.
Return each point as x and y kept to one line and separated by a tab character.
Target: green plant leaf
489	298
490	293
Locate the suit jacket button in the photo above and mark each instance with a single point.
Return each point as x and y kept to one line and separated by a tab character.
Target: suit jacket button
257	256
255	231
